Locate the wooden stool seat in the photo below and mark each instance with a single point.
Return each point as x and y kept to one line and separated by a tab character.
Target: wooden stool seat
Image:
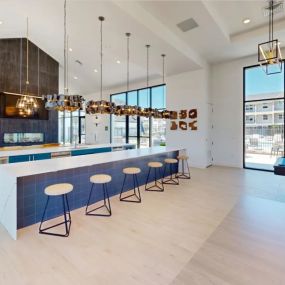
170	160
58	189
100	178
155	164
131	170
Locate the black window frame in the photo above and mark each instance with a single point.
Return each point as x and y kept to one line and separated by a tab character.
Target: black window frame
260	100
138	136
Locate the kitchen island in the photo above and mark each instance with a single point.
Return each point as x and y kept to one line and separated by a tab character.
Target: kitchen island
22	195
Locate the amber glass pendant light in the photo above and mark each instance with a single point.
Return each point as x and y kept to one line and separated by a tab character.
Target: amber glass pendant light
27	103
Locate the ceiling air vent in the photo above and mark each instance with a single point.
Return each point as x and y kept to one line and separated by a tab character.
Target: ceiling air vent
187	25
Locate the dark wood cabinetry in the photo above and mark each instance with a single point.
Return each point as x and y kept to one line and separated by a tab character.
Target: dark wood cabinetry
43	79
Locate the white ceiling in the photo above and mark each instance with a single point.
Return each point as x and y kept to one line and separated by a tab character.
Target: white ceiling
220	36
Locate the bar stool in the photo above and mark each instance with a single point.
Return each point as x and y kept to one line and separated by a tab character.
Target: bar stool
157	167
102	179
185	173
173	180
134	171
61	189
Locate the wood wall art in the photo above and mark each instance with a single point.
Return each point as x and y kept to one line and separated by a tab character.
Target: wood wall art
187	120
183	114
173	126
193	114
183	125
173	115
193	126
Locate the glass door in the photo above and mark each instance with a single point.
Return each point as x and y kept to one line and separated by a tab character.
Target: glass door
263	118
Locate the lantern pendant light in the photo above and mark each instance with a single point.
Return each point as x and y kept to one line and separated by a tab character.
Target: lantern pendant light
269	53
102	106
64	102
27	104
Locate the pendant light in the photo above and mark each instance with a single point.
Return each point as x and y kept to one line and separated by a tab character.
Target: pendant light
27	104
269	53
102	106
64	102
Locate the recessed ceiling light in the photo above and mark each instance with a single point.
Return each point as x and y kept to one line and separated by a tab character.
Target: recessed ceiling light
118	62
70	49
95	70
246	21
75	77
1	22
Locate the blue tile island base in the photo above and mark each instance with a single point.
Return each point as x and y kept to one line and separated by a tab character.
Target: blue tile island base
30	189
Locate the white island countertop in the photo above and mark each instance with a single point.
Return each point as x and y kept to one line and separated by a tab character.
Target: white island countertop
51	165
30	150
9	174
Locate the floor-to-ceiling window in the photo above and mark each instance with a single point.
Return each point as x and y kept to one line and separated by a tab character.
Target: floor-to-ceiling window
263	118
71	127
143	132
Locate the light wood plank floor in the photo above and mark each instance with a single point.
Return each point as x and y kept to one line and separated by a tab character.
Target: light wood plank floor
224	226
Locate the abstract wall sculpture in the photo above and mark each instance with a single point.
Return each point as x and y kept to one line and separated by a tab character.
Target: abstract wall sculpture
173	126
183	114
187	120
183	125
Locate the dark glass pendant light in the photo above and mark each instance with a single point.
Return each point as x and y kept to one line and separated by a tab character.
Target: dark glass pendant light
64	102
101	106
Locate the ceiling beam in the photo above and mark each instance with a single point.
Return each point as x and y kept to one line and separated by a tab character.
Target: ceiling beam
209	6
142	16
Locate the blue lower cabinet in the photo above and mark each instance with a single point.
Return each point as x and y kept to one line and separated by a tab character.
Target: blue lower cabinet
41	156
90	151
126	147
19	158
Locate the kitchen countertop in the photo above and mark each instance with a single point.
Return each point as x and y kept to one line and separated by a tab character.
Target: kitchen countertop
43	166
28	151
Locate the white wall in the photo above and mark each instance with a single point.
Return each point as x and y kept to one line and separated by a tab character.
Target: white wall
186	91
227	97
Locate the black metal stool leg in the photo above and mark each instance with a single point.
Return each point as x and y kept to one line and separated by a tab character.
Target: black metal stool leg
183	174
173	180
155	187
138	187
106	197
125	199
66	222
44	213
149	169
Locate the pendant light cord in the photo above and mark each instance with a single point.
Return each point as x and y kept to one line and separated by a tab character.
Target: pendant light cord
163	68
101	57
270	20
27	78
147	65
38	72
128	60
64	50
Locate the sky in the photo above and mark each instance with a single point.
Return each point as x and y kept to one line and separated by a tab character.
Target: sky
256	81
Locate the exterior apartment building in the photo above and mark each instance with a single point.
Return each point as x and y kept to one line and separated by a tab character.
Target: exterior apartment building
264	122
